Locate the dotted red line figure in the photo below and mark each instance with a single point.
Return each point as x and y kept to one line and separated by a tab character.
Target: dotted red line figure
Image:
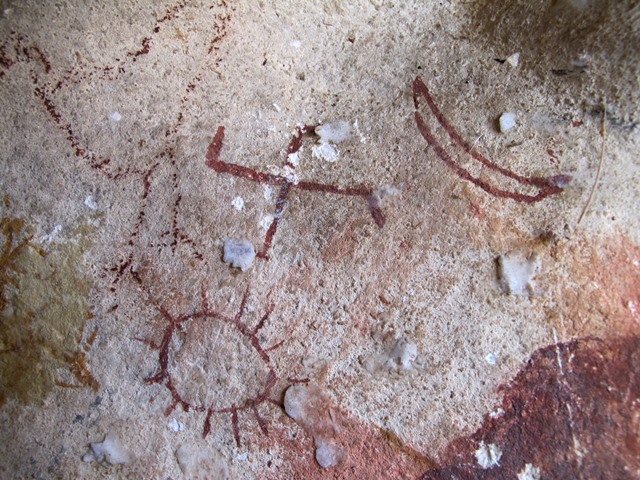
48	82
287	183
195	394
546	186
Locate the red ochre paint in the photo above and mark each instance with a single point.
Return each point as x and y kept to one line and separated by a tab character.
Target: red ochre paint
552	154
213	161
546	186
18	48
175	324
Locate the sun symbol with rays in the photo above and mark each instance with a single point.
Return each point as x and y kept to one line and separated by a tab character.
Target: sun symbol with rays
215	364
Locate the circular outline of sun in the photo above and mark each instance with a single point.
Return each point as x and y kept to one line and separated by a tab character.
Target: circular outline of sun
164	377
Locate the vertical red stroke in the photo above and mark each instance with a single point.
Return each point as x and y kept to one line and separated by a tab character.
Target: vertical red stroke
286	185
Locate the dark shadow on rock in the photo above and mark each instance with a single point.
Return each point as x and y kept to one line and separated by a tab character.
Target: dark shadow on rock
588	49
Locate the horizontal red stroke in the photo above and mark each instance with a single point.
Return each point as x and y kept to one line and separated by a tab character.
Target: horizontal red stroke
213	161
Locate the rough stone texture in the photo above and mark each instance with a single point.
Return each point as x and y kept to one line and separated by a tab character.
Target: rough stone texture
136	137
313	411
571	412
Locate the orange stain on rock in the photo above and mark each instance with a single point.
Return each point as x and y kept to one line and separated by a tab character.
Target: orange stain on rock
601	294
343	243
369	453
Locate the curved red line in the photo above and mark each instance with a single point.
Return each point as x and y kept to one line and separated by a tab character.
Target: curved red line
465	175
547	186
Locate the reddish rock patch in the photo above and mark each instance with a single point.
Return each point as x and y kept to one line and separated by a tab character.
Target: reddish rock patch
343	242
602	290
369	453
572	412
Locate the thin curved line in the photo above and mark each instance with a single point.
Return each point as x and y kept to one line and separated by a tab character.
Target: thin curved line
547	186
465	175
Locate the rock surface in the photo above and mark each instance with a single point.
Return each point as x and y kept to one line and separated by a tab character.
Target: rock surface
354	147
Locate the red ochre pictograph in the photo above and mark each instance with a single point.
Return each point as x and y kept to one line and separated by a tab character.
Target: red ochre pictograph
211	362
48	83
286	183
545	187
214	363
